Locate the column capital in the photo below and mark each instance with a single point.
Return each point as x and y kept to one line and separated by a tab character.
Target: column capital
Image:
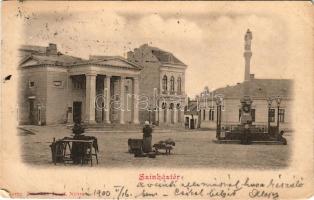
136	78
91	74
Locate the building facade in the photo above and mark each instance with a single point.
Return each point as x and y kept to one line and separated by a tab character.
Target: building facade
162	83
260	91
57	88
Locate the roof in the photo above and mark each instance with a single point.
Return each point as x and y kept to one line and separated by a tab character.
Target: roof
58	60
34	49
37	55
163	56
42	56
258	88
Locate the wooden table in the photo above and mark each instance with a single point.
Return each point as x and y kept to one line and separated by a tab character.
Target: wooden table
67	144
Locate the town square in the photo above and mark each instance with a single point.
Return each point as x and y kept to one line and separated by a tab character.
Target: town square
144	108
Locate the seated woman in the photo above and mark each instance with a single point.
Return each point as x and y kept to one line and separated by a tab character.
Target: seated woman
79	150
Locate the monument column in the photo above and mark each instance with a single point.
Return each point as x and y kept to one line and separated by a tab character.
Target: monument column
90	98
247	54
136	100
107	98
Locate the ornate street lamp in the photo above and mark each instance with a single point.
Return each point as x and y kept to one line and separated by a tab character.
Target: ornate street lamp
278	100
269	101
218	126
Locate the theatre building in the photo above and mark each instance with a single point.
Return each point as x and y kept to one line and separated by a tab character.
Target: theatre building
56	88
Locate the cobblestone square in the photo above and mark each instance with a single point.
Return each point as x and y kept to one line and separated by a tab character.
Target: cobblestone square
193	149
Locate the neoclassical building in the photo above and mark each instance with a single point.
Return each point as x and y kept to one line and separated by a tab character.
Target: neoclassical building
162	83
57	88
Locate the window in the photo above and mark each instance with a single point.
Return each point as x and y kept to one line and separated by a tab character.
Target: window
211	114
77	84
58	83
271	115
164	83
281	115
204	114
172	84
240	112
179	85
31	84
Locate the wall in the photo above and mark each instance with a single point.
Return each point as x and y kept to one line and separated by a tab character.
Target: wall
57	96
39	76
149	77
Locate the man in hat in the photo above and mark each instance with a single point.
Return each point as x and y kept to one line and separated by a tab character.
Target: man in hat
147	137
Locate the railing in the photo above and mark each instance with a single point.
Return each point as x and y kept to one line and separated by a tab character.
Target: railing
235	127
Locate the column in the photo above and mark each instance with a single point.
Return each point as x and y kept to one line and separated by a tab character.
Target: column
168	114
122	91
161	113
161	84
175	114
156	115
90	98
107	98
135	100
70	101
183	84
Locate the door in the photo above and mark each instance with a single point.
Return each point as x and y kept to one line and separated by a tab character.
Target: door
32	112
192	123
77	111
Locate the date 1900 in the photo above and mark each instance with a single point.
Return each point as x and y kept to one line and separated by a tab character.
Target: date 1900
118	191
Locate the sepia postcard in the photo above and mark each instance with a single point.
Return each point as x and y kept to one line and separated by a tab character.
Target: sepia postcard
157	100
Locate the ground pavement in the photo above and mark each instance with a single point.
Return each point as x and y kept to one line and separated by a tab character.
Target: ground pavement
194	148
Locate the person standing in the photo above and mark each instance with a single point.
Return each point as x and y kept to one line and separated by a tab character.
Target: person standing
147	137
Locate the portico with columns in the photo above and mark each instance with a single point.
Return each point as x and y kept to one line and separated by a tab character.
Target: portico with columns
104	91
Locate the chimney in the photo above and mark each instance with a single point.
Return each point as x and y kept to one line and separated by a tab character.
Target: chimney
52	49
130	55
252	76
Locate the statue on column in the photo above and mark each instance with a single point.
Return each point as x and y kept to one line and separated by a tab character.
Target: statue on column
248	38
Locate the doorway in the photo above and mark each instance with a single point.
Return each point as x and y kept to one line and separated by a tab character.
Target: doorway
77	111
32	112
192	124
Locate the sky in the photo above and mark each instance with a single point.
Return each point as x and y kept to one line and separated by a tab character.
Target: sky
210	40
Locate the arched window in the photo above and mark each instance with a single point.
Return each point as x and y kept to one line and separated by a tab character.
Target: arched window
164	83
179	85
172	84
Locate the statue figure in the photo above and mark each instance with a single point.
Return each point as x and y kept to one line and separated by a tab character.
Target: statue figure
248	38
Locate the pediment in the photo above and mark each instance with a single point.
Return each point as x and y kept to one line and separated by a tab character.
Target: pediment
29	62
117	62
